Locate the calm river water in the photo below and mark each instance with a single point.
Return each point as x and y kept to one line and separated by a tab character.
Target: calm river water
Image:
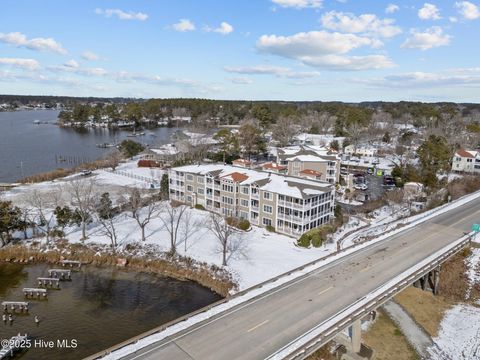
100	307
26	148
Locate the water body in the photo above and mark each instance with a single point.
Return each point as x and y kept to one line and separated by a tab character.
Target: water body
99	308
27	149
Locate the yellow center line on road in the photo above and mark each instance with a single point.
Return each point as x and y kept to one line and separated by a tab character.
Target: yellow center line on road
257	326
325	290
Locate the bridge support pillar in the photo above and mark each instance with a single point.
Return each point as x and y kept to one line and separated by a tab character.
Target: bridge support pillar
356	336
436	281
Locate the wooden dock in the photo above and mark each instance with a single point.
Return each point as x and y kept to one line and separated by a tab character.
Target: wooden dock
48	281
71	263
14	345
35	292
60	273
21	305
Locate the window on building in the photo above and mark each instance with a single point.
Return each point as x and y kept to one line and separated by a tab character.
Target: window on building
189	199
201	191
268	209
200	179
267	195
245	190
244	202
266	221
189	188
189	177
469	160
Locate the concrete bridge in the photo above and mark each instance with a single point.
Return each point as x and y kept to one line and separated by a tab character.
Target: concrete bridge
294	319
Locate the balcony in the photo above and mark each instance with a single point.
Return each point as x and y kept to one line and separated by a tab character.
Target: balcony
255	196
254	221
255	208
290	218
217	187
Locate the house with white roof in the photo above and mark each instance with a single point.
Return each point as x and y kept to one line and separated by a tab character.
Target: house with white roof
361	150
318	158
466	161
291	205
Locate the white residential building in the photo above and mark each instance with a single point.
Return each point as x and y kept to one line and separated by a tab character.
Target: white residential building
466	161
291	205
361	150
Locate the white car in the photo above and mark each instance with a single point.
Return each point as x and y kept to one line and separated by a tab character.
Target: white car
361	187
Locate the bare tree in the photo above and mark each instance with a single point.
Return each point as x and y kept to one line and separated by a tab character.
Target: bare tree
142	210
394	197
43	205
82	194
224	234
113	159
189	227
285	130
106	217
171	218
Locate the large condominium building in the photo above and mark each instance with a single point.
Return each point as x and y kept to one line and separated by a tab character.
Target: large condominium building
291	205
314	158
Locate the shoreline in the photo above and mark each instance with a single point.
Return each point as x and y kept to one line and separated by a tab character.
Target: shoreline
214	278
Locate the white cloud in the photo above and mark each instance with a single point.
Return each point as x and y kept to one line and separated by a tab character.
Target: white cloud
366	23
39	44
298	4
184	25
391	8
224	28
468	10
325	50
73	66
430	38
419	79
429	12
27	64
278	71
90	56
241	80
453	19
122	15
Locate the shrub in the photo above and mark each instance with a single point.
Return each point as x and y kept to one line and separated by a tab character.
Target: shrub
241	224
199	207
270	228
315	237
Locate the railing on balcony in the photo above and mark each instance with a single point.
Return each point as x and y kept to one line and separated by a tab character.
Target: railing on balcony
255	195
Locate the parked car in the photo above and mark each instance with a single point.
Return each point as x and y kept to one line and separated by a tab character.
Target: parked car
362	187
86	172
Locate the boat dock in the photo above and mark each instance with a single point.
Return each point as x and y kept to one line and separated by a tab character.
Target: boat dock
14	345
49	281
14	305
34	292
60	273
71	263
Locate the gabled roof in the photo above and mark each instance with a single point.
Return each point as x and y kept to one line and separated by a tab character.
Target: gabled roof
242	161
274	166
311	172
465	153
236	176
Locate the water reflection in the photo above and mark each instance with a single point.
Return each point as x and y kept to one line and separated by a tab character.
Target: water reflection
99	307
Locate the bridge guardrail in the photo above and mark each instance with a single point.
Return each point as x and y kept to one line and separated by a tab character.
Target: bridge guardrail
363	306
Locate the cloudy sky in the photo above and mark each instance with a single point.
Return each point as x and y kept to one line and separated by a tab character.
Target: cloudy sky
348	50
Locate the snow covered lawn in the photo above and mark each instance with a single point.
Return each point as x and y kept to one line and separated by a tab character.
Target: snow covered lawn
263	255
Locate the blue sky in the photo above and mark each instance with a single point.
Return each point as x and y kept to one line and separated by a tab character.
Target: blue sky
347	50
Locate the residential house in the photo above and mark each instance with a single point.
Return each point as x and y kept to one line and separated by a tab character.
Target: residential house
466	161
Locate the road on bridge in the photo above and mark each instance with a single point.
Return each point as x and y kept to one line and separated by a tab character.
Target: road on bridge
262	326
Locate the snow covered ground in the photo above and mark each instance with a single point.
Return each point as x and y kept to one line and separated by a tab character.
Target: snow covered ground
459	336
261	255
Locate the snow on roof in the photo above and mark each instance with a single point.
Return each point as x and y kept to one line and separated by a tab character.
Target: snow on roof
276	183
306	158
168	149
